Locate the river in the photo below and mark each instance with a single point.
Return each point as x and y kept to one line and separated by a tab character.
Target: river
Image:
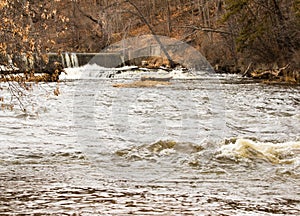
212	145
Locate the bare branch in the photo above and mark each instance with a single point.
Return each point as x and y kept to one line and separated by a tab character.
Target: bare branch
205	29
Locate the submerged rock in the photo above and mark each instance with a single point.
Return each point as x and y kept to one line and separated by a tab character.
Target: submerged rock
141	84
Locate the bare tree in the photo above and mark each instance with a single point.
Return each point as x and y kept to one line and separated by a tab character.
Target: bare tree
141	16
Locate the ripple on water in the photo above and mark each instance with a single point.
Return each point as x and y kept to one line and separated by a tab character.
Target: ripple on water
45	169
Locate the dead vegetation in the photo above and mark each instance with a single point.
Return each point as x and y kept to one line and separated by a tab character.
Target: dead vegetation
275	75
230	34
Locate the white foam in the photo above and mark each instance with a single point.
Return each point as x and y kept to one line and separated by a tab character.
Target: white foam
180	74
83	72
276	153
127	72
74	60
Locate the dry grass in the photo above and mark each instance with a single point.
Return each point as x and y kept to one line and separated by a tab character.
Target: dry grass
29	78
141	84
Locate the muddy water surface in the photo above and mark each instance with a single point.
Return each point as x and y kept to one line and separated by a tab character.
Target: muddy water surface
209	146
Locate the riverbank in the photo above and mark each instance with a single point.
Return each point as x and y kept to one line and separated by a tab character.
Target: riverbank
273	75
49	72
266	74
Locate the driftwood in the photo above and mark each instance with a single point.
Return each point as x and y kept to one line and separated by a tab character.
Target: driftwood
247	70
267	74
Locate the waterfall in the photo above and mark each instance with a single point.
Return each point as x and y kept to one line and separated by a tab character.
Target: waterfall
68	62
74	60
63	60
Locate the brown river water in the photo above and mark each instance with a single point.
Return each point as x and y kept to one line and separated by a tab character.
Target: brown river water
212	145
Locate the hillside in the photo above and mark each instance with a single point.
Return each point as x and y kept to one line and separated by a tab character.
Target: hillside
232	35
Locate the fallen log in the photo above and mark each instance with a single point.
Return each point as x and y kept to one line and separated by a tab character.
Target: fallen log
268	74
